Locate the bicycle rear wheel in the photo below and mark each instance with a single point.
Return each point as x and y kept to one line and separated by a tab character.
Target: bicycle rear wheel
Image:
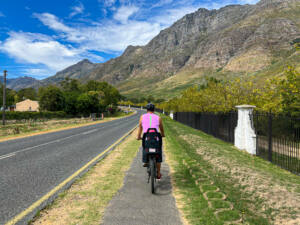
153	174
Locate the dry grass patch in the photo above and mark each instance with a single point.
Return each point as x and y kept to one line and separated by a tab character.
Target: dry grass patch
85	201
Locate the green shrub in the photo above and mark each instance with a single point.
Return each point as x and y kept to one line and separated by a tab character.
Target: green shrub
34	115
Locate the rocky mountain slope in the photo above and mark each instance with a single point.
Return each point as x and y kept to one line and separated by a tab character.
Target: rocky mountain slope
78	71
236	40
21	82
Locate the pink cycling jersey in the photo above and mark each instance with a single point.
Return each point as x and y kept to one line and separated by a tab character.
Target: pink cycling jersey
150	120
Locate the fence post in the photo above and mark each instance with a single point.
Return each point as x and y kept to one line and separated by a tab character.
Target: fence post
229	136
270	137
4	97
244	134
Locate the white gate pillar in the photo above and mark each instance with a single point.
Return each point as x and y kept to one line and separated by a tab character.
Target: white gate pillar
172	115
244	133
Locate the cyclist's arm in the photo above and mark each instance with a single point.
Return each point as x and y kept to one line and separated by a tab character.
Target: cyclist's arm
140	129
161	128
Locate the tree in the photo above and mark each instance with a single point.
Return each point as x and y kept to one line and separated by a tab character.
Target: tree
93	85
51	98
109	94
71	102
71	85
27	93
150	98
71	90
10	96
89	102
290	91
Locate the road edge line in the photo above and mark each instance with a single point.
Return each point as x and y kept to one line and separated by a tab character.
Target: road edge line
43	201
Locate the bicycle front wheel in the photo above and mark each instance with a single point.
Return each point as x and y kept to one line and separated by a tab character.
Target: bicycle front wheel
153	174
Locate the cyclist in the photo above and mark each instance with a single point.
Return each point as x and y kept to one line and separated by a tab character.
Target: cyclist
151	120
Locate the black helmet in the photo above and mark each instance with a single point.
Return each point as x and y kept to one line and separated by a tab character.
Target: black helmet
150	107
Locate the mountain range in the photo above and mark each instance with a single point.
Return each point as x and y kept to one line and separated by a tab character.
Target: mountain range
22	82
234	41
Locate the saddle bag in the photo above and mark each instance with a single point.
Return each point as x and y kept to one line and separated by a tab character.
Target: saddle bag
152	141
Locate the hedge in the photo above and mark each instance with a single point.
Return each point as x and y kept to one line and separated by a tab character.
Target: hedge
33	115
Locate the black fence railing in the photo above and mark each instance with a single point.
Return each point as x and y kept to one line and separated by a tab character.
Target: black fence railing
278	140
219	125
277	136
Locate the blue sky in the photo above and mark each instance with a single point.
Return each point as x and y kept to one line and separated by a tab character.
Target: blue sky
39	38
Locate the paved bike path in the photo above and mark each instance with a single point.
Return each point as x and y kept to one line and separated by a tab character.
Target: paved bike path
135	205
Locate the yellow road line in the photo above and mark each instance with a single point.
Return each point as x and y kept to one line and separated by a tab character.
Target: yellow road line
36	204
63	128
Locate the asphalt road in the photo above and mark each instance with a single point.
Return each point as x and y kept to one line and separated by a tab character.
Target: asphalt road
30	167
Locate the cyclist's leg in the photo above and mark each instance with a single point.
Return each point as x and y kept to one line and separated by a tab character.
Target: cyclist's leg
144	154
145	158
158	164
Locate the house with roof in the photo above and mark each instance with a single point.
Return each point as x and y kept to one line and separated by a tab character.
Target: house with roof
27	105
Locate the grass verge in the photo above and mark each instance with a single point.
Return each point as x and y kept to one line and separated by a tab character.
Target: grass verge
84	202
23	129
215	183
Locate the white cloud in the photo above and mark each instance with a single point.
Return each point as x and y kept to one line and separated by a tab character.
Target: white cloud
78	9
107	3
106	37
162	3
124	12
52	21
39	49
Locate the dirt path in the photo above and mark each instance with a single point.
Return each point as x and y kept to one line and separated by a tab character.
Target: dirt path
135	205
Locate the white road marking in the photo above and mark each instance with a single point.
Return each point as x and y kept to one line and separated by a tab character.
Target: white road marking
47	143
90	131
7	155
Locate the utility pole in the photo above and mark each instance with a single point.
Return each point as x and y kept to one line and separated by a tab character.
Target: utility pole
4	97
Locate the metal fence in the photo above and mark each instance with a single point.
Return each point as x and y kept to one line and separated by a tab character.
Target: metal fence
278	136
219	125
278	140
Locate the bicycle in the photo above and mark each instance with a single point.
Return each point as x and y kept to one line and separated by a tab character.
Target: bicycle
152	146
151	168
